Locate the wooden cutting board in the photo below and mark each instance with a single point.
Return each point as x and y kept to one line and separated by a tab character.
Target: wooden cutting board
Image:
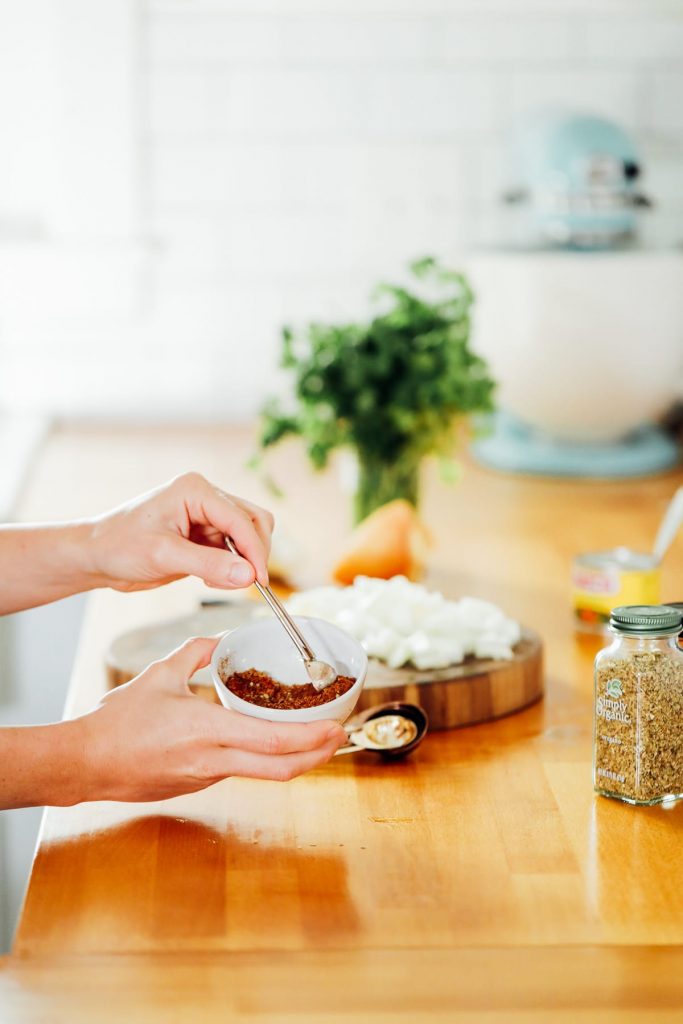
475	691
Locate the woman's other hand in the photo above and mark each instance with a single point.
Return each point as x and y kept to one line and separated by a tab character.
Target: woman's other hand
153	738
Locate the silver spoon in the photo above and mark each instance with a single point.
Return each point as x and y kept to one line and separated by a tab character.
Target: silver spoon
320	673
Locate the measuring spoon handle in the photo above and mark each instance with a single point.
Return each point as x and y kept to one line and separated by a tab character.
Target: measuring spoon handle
351	749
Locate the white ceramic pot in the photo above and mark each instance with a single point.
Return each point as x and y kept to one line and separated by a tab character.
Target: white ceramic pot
584	346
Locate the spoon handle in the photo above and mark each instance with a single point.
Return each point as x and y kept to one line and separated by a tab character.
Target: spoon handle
673	517
295	634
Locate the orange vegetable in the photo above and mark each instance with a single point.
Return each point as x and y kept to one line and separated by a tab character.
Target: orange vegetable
392	541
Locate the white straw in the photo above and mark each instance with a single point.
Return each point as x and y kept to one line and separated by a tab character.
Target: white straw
669	526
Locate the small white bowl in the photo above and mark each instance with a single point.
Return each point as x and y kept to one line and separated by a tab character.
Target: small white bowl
264	645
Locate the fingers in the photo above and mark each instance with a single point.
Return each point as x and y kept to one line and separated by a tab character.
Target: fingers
236	523
263	766
261	518
249	526
217	567
273	738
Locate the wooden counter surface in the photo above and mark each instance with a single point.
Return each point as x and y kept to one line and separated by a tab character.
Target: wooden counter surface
480	876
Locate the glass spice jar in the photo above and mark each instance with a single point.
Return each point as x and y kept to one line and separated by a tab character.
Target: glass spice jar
638	721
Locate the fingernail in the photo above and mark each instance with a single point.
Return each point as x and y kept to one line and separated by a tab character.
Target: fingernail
241	574
336	734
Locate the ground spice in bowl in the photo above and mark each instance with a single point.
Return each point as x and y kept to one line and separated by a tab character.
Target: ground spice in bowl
261	689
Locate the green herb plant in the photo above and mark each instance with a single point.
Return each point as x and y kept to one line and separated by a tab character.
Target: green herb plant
391	389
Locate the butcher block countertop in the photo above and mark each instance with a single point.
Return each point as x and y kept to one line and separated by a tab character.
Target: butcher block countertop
479	880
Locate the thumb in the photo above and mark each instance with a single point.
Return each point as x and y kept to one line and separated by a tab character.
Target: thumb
188	658
217	567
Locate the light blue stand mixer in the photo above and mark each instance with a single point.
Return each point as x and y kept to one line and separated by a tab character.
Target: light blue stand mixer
582	325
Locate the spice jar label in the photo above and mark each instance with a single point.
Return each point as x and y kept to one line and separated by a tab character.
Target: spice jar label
613	709
615	735
615	689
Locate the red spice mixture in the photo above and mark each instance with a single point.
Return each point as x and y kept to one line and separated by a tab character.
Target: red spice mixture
261	689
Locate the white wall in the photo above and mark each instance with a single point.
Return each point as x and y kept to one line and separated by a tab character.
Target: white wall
261	160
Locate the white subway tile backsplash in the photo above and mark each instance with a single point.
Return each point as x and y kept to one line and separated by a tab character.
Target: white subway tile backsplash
299	104
503	40
663	179
435	104
200	39
609	93
229	391
425	7
105	386
256	247
308	40
417	173
257	104
301	150
666	113
620	40
188	103
311	103
294	152
214	176
494	173
237	315
309	181
369	39
308	246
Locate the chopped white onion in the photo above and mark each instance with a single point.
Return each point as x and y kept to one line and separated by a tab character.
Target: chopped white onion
402	623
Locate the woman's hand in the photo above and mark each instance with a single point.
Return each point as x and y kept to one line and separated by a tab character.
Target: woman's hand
152	739
176	530
179	530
